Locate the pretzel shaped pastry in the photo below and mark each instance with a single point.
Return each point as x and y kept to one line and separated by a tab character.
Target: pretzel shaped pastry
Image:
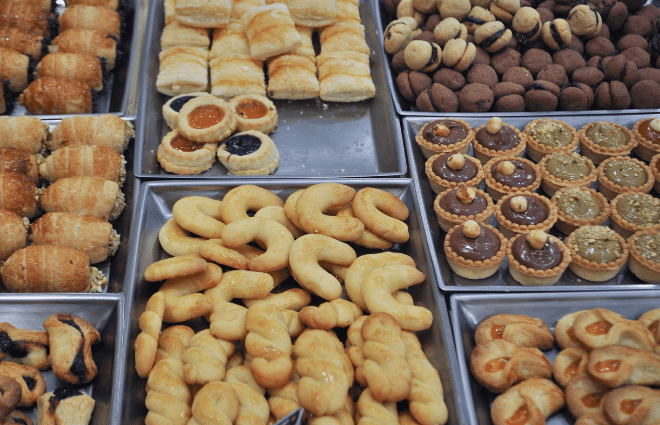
529	402
336	313
601	327
368	239
568	363
247	197
618	365
146	343
273	235
24	346
175	240
216	403
426	398
252	405
182	298
355	344
584	395
633	404
304	256
277	213
564	334
318	198
325	372
284	400
181	265
199	215
524	331
205	358
651	321
382	212
498	364
10	395
173	342
372	412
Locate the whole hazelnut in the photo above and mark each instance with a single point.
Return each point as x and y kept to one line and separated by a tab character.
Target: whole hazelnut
471	229
466	194
519	204
456	161
441	130
494	125
537	239
506	167
655	124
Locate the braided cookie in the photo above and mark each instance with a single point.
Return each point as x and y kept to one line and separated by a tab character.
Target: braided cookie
355	345
368	239
205	358
284	400
182	298
601	327
216	403
146	343
336	313
523	331
535	399
252	405
372	412
168	396
173	342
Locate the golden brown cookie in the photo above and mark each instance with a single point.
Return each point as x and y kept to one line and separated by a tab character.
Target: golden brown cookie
523	331
578	207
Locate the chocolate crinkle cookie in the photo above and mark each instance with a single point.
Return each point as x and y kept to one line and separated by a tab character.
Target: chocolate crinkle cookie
484	74
505	59
412	83
619	68
476	97
599	46
641	57
535	60
437	98
570	59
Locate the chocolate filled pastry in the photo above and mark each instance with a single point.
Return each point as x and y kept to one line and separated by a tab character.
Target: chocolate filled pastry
93	130
91	235
64	406
570	362
232	75
617	365
24	346
49	95
18	194
584	395
14	69
498	364
173	106
86	41
84	160
76	66
534	399
52	269
601	327
23	133
632	404
249	153
203	14
12	232
84	16
206	119
84	195
523	331
254	112
182	70
24	16
12	160
71	339
29	378
179	155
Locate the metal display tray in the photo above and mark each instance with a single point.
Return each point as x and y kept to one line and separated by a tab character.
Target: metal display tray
106	313
470	310
502	280
314	138
154	209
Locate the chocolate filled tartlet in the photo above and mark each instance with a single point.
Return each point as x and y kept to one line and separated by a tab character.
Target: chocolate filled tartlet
546	136
537	258
644	261
601	139
475	250
445	136
449	170
519	213
597	253
508	174
624	174
497	139
566	169
579	206
456	206
632	212
647	135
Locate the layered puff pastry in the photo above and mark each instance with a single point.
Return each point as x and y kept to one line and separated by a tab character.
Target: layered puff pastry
87	41
271	31
84	160
232	75
76	66
83	16
315	14
180	156
203	13
292	77
50	95
182	70
230	39
176	34
241	7
345	77
94	130
342	37
14	69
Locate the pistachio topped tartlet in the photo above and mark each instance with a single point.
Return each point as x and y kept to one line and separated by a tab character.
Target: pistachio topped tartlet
566	169
624	174
496	139
579	206
644	261
647	134
456	206
597	253
655	169
546	136
445	136
537	258
523	212
600	140
632	212
449	170
475	250
505	175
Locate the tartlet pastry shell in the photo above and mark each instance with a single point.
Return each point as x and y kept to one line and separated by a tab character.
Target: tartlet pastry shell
265	124
551	184
447	220
532	277
610	189
656	172
484	154
430	149
592	271
567	224
511	230
211	134
642	267
470	269
439	184
644	149
497	190
623	226
184	163
597	153
537	150
263	161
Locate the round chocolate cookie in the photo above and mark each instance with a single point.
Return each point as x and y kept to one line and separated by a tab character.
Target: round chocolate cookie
652	74
518	74
432	21
545	15
535	60
641	57
505	59
475	97
542	96
614	14
639	25
645	94
398	62
437	98
611	95
449	78
509	97
650	11
599	46
634	5
576	44
570	59
412	83
576	97
631	40
588	75
619	68
484	74
554	73
481	56
426	36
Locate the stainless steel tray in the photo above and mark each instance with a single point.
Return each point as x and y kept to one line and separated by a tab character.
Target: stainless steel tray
103	311
469	310
502	280
314	138
154	209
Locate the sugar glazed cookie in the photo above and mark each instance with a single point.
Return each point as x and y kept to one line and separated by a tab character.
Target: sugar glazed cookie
249	153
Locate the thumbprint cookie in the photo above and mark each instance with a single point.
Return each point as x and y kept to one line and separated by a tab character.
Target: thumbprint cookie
254	112
172	107
179	155
250	153
206	119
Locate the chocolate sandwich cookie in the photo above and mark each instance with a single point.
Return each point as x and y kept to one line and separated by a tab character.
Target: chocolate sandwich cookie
576	97
588	75
422	56
645	94
475	97
519	75
509	97
611	95
563	7
570	59
554	73
412	83
614	14
556	34
477	17
492	36
619	68
437	98
526	25
584	21
459	54
641	57
542	96
484	74
398	34
398	62
449	29
599	46
505	59
535	60
449	78
504	10
639	25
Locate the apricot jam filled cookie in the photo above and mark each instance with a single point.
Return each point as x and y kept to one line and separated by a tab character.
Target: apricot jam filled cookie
445	136
546	136
537	258
565	169
644	261
254	112
456	206
496	139
206	119
579	206
597	253
632	212
449	170
178	155
475	250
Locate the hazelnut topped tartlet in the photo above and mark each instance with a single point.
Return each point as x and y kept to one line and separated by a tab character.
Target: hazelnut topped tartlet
624	174
508	174
565	169
522	212
546	136
600	140
597	253
632	212
475	250
647	136
448	170
644	261
579	206
455	206
445	136
496	139
536	258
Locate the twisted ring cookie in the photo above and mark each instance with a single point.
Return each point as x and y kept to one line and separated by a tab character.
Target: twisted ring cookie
205	358
372	412
247	197
523	331
252	405
276	213
601	327
199	215
617	365
318	198
535	399
146	343
182	298
382	212
216	251
177	241
168	396
368	239
29	378
173	342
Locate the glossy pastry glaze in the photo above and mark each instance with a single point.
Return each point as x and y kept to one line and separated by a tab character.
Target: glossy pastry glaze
457	132
522	176
444	171
483	247
548	257
536	211
505	139
453	205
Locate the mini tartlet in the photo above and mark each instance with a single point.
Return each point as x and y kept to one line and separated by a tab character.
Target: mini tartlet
519	213
254	112
597	253
566	169
179	155
537	258
206	119
579	206
632	212
505	175
456	206
546	136
475	250
600	140
644	261
647	135
449	170
623	175
250	153
496	139
447	135
655	169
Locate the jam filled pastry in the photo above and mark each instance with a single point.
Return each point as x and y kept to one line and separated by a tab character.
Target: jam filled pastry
173	106
71	339
529	403
254	112
29	378
651	321
10	395
617	365
564	334
600	327
498	364
633	404
64	406
584	395
24	346
570	362
179	155
206	119
524	331
249	153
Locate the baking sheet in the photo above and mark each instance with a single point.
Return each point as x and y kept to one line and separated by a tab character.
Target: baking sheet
314	138
154	209
502	280
103	311
470	310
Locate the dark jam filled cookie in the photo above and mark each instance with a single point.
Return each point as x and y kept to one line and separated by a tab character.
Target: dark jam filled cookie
172	107
249	153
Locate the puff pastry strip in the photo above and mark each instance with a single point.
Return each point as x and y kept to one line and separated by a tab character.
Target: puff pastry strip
271	31
292	77
177	34
342	37
345	77
232	75
230	39
313	13
202	13
182	70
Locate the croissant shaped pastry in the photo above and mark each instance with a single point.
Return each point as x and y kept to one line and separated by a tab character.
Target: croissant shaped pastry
76	66
84	160
529	403
86	41
71	339
633	404
24	346
523	331
617	365
601	327
84	195
23	133
94	130
50	95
